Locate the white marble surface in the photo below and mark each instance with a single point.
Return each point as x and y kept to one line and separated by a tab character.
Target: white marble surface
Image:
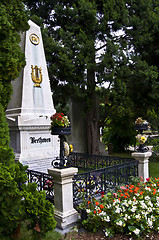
65	214
143	166
30	108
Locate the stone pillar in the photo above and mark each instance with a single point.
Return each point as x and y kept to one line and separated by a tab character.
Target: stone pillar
65	214
143	167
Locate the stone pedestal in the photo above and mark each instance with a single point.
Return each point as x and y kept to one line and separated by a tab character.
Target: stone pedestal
143	167
65	214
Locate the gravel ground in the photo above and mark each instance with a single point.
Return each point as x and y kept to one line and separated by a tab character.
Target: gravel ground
101	236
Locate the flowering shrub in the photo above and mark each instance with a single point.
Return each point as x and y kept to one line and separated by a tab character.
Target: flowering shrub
141	138
59	120
140	121
48	185
133	210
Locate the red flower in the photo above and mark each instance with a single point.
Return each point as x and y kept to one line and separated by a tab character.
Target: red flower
37	227
136	189
97	203
102	192
101	206
94	212
89	202
99	211
154	191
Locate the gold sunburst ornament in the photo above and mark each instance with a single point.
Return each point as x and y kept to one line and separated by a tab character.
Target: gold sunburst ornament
36	75
34	39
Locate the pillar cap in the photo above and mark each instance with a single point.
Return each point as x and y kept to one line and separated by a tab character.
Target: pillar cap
142	155
65	172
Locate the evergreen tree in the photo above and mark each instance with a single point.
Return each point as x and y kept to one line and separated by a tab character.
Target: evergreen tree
12	21
142	35
75	28
13	210
76	64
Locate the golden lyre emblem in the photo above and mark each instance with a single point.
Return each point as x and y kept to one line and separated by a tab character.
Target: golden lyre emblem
36	75
34	39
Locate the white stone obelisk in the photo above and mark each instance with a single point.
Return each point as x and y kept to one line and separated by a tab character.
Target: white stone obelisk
31	106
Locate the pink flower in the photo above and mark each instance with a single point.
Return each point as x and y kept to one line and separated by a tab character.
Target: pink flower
115	194
122	187
148	179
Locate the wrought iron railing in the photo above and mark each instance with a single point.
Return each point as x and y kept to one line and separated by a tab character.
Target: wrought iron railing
87	162
102	180
98	174
44	183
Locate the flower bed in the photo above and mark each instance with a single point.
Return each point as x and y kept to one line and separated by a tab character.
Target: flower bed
132	210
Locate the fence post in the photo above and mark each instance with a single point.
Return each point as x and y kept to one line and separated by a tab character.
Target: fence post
65	214
143	166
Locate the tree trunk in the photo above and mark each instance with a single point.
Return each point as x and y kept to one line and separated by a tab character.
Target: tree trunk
93	128
92	115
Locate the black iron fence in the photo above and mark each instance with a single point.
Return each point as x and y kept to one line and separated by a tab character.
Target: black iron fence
44	183
99	181
88	162
98	175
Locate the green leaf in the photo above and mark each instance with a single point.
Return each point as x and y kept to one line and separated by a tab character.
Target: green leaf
131	228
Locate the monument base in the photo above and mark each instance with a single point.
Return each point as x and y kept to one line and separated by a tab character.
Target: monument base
33	145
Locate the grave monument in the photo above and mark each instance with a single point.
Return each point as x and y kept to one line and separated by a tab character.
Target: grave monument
31	106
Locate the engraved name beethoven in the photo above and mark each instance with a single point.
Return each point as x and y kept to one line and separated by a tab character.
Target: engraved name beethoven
40	140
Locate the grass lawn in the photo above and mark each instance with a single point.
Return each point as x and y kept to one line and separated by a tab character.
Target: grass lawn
153	165
154	169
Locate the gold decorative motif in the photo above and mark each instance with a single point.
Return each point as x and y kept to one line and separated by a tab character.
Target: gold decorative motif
36	75
34	39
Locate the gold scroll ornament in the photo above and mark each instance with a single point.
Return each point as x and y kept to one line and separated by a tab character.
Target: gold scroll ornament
36	75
